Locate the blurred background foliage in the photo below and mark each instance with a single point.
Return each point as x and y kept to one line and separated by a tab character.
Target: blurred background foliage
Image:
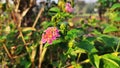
89	36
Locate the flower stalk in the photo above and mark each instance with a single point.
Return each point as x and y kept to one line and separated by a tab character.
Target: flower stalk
49	35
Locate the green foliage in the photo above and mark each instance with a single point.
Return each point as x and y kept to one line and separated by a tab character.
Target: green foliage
54	9
108	40
88	44
95	60
109	29
110	61
74	33
115	6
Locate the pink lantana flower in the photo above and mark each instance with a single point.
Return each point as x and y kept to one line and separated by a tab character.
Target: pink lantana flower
68	8
49	35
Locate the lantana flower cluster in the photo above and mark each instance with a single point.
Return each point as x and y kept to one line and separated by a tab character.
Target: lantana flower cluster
68	8
49	35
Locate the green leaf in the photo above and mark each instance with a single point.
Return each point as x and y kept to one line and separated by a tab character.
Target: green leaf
56	41
91	39
46	45
117	19
109	29
11	36
79	50
110	61
87	46
19	49
95	60
74	33
25	63
75	51
54	9
75	65
2	38
116	41
71	52
53	43
115	6
71	43
108	41
46	24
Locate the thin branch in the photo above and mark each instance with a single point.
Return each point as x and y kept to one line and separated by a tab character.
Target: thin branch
39	14
85	61
27	9
41	47
21	35
8	4
78	57
19	56
31	3
42	54
25	12
25	44
118	46
17	3
32	57
7	51
22	15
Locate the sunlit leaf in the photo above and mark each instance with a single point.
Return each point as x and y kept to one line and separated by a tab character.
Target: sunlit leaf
115	6
95	60
110	61
71	43
109	29
2	38
54	9
28	29
117	19
79	50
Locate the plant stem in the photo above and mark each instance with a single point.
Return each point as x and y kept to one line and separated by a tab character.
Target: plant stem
22	37
39	14
113	49
78	57
32	57
118	46
42	54
25	44
85	61
4	46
